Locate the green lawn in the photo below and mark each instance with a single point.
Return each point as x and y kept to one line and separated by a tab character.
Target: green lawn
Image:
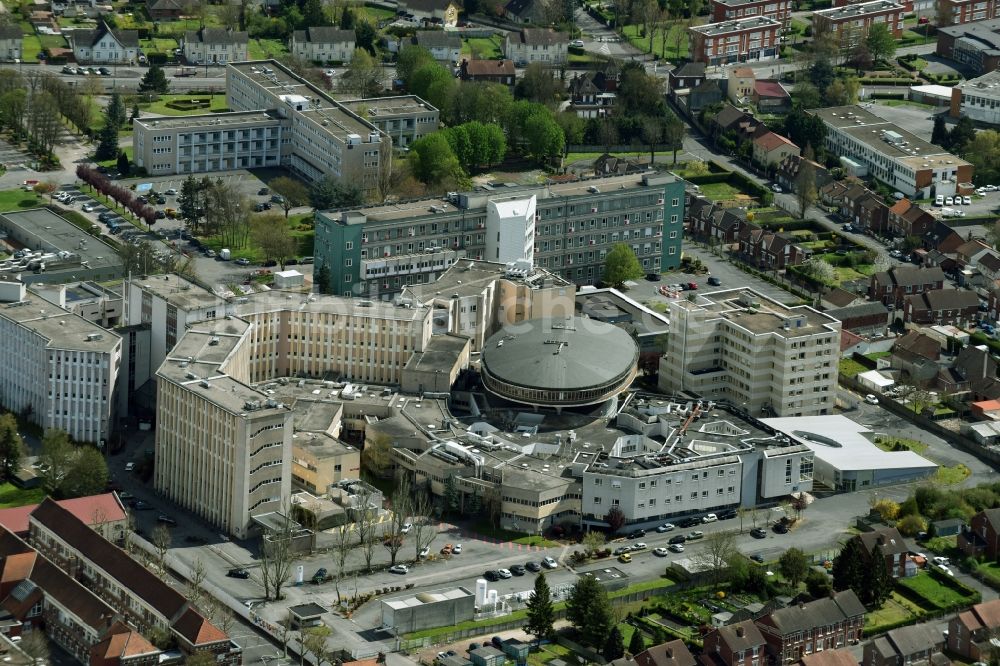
892	612
165	45
374	14
946	545
719	191
262	49
552	651
798	26
11	496
949	476
904	102
934	591
990	572
850	367
13	199
218	104
304	236
30	46
484	528
113	163
676	30
894	444
482	48
52	41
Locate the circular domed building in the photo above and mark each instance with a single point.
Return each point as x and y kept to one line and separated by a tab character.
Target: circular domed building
559	363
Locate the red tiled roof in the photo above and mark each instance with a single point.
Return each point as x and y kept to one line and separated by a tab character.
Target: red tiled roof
769	89
900	206
92	510
489	68
121	641
16	519
772	140
197	630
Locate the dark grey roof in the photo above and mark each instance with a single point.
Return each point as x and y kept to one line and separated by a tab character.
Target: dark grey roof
324	35
91	37
818	613
913	276
485	652
950	299
542	37
986	34
859	310
430	39
751	635
215	36
559	354
887	540
915	638
689	69
10	32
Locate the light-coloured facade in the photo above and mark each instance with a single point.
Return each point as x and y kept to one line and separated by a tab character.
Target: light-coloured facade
741	40
543	45
319	461
104	46
323	45
10	42
743	347
891	154
850	23
728	10
324	137
404	119
978	99
214	46
56	366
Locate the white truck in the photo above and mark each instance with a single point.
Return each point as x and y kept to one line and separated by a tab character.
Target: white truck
225	254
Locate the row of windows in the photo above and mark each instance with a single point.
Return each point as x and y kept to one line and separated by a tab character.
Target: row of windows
730	490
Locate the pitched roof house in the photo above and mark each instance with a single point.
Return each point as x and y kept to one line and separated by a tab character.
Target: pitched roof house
917	644
971	632
820	625
916	355
160	10
941	306
892	286
323	44
543	45
439	12
104	45
887	545
739	644
671	653
772	148
982	536
214	46
491	71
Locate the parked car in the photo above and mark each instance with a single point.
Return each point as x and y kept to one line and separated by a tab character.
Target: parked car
577	43
238	573
243	261
966	201
939	200
447	549
758	533
263	191
129	466
89	208
680	538
425	551
457	549
104	71
660	552
665	527
319	576
653	277
171	192
399	569
407	526
676	548
533	566
714	281
709	518
278	199
621	549
758	558
549	563
625	558
949	201
517	569
776	188
871	399
504	573
636	534
492	575
695	535
780	528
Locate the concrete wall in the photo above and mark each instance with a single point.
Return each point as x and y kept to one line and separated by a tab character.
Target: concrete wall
429	615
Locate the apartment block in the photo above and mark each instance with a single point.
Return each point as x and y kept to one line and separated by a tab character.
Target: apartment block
214	46
543	45
323	45
743	347
978	99
135	592
967	11
870	146
404	119
974	44
378	250
324	137
56	366
850	23
730	10
741	40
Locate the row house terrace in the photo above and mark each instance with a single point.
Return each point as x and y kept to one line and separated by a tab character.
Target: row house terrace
805	628
770	250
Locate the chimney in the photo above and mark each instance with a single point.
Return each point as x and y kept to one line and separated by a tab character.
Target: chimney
802	605
740	631
669	652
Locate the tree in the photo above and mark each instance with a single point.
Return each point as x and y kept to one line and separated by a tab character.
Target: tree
424	531
805	129
87	476
433	161
541	616
477	144
313	14
720	550
621	265
886	508
293	192
961	135
865	573
911	525
107	142
805	186
615	519
819	270
806	96
589	611
411	58
880	41
195	593
154	81
818	584
187	202
614	646
12	448
592	541
376	455
793	565
161	542
538	84
55	460
134	115
35	645
821	73
673	133
227	213
272	236
123	164
363	76
331	192
342	545
636	644
45	188
395	529
939	135
115	112
542	137
276	558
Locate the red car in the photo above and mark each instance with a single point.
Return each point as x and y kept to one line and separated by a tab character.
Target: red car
692	285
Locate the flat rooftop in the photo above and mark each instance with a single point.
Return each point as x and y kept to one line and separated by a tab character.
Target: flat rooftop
63	329
468	277
422	598
759	314
988	84
177	291
376	108
477	199
224	121
280	82
844	444
270	301
315	414
860	9
736	25
984	34
441	354
320	445
61	235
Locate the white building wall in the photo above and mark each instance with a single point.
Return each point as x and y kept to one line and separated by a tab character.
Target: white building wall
983	108
510	230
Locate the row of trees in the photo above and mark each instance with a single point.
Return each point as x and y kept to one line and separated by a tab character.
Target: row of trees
122	195
67	469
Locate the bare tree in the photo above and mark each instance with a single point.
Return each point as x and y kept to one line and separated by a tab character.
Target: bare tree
285	632
275	558
221	615
395	531
719	552
424	532
342	545
35	645
314	642
227	213
198	574
161	542
365	525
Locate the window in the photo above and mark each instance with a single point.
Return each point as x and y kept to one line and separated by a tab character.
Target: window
597	500
598	482
349	245
615	502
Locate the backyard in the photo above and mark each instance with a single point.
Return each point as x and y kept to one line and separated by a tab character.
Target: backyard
482	48
671	44
262	49
11	496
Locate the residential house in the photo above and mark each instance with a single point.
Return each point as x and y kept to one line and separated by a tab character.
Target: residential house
104	513
982	536
916	356
708	220
445	47
124	646
869	317
802	629
685	76
941	306
214	46
167	10
135	592
527	11
849	23
787	173
488	71
840	298
671	653
771	148
869	213
770	97
10	42
104	45
592	94
739	644
741	126
543	45
770	250
893	286
436	12
739	84
323	44
705	94
971	633
970	251
886	545
942	238
977	366
908	219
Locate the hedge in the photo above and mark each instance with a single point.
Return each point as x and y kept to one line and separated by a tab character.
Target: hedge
710	178
889	95
869	81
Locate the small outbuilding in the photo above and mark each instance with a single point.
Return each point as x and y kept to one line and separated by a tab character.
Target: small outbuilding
289	279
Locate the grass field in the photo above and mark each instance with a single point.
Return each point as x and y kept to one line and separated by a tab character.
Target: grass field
948	476
482	48
30	46
551	652
165	45
11	199
889	444
933	590
261	49
892	611
11	496
305	238
850	367
670	50
218	104
720	191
